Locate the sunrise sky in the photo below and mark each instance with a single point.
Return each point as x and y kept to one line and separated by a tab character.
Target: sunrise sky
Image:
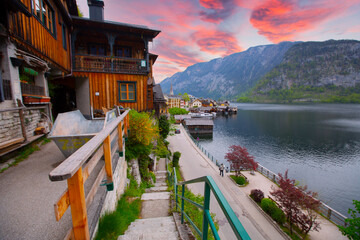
200	30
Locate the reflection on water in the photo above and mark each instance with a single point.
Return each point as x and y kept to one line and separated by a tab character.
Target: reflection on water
319	144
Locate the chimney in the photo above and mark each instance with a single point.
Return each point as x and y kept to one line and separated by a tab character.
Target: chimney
96	10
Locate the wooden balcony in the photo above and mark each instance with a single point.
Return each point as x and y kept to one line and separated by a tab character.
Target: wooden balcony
89	63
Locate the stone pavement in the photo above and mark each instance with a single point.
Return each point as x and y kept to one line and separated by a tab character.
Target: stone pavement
28	197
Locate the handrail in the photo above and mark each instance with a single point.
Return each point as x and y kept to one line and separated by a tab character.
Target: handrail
72	164
210	184
77	168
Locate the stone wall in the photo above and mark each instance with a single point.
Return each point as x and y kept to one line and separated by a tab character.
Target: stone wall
10	127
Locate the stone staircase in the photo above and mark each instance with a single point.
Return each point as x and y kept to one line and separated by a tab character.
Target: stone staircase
155	222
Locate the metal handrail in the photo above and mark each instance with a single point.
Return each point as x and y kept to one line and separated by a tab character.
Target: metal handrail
210	184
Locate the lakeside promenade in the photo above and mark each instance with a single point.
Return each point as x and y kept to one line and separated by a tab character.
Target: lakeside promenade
195	163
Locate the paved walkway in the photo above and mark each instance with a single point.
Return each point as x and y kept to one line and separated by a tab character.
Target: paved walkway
27	198
195	164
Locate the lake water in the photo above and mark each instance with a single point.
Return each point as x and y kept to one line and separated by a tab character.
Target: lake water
318	143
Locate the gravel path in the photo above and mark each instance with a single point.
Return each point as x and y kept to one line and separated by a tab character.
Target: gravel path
28	197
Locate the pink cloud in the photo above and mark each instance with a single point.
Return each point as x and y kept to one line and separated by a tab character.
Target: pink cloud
216	42
282	20
213	4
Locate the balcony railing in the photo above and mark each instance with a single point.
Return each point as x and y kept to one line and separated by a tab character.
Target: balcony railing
87	63
31	89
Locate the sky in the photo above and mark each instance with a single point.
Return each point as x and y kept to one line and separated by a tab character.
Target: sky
195	31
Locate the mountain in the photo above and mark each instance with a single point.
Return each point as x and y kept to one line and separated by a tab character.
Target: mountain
314	71
230	76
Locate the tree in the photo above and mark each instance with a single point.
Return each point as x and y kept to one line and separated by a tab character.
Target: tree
177	111
287	195
352	229
240	159
309	205
142	132
298	204
164	126
186	98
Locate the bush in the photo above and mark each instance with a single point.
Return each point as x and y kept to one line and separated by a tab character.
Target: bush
176	158
239	180
268	205
164	126
270	208
257	195
279	216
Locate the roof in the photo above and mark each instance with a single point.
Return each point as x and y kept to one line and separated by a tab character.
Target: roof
115	26
158	94
180	117
199	122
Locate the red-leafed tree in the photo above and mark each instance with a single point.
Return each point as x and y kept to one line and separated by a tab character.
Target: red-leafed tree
240	159
308	204
298	204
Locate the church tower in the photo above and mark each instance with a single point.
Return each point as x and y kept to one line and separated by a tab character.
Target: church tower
171	90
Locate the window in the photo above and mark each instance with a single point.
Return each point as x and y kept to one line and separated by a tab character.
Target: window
122	51
64	38
97	49
127	91
45	14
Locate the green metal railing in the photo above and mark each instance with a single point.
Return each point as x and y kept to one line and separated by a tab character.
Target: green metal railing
210	185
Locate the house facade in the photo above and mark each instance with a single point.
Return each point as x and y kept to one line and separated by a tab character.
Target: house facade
34	47
111	64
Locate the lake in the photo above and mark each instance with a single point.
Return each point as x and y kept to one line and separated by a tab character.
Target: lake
318	143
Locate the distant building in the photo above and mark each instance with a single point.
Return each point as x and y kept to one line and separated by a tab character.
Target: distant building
199	127
195	103
160	105
173	101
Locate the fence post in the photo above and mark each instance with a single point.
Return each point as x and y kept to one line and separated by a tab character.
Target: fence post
329	214
78	206
205	226
108	164
120	139
182	203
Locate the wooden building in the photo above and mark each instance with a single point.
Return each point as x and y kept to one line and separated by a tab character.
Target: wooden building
200	127
111	63
34	47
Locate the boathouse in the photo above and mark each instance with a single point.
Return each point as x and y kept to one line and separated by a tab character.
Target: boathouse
200	127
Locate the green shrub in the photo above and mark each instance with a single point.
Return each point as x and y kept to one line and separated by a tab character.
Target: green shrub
274	211
161	149
279	216
164	126
152	174
176	158
268	205
239	180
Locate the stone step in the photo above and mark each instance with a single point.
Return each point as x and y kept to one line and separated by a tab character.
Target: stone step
161	172
155	196
156	189
151	228
160	184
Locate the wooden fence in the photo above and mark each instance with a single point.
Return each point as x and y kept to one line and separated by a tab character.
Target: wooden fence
77	168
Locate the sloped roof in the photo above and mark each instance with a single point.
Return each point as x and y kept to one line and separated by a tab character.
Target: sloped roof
199	122
158	94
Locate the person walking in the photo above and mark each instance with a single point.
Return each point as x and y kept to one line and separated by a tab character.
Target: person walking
221	168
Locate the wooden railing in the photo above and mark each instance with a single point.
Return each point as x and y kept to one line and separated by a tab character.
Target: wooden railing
31	89
77	168
89	63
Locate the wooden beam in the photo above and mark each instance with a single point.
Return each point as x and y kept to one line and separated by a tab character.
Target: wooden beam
78	206
62	205
11	142
120	136
107	156
95	187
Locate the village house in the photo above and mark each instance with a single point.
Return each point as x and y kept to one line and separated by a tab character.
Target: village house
112	64
196	103
34	48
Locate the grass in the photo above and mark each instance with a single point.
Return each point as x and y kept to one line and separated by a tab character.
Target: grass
111	225
195	214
